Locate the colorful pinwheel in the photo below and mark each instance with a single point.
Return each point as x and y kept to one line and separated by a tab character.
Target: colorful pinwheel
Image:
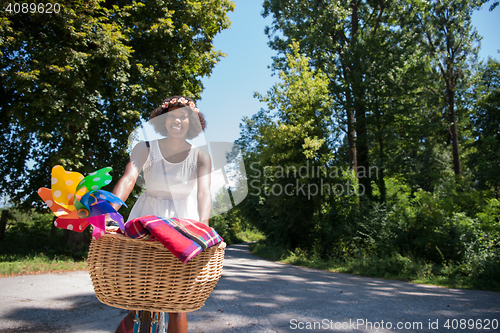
78	201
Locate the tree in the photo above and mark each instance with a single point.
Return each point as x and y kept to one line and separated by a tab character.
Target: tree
75	83
452	42
289	142
349	41
369	50
485	161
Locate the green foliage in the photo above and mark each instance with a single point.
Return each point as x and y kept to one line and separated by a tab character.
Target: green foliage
228	226
407	96
452	43
437	227
228	223
280	144
485	160
447	237
489	218
375	66
73	85
32	235
251	234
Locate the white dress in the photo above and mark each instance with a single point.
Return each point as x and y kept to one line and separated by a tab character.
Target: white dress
170	187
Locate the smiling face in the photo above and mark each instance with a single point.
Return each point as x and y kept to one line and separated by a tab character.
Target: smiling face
158	118
177	122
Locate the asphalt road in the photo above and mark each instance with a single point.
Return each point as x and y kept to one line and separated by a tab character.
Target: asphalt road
256	295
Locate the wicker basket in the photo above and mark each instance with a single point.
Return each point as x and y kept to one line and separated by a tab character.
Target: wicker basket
142	275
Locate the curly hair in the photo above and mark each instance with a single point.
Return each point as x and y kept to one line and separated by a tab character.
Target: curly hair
197	122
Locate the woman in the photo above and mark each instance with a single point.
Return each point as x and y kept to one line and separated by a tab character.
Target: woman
176	174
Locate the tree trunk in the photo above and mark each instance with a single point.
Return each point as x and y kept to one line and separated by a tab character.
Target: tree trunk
3	222
53	228
380	177
362	150
457	167
359	107
351	139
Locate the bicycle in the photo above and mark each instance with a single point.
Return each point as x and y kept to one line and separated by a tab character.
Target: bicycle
149	322
144	276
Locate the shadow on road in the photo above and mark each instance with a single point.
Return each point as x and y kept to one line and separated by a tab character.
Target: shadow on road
65	314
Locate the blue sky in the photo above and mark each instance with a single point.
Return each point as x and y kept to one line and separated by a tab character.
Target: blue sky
228	94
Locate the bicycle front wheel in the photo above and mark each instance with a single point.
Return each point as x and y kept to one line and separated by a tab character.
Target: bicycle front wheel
161	322
145	325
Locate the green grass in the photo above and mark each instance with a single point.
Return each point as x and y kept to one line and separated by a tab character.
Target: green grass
395	267
11	265
30	246
250	235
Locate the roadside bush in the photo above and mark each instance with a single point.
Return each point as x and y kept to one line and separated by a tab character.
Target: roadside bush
445	233
30	233
228	226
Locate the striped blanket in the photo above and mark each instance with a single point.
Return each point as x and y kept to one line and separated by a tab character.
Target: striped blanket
183	237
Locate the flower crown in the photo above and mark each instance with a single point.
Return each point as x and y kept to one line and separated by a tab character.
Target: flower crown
181	100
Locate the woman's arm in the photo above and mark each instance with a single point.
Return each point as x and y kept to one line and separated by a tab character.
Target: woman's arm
204	197
126	183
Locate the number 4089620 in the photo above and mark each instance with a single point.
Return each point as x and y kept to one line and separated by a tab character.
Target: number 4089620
472	324
32	8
